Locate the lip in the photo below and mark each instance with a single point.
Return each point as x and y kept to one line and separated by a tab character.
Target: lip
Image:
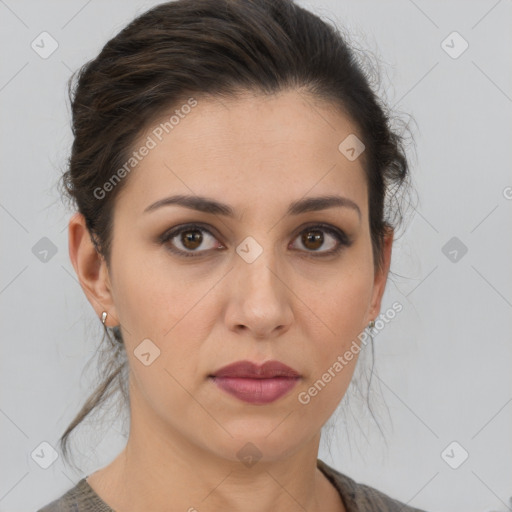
250	370
256	384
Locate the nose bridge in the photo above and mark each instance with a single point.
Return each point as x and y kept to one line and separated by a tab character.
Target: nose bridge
257	268
262	298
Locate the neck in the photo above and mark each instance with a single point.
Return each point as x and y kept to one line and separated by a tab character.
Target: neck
159	466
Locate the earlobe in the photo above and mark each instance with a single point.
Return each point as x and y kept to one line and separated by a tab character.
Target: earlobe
91	269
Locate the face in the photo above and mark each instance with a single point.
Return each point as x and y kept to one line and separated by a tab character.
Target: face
249	280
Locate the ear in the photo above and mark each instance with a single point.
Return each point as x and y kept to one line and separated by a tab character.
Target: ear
91	269
381	276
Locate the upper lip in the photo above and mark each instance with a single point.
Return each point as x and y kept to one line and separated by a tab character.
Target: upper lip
248	369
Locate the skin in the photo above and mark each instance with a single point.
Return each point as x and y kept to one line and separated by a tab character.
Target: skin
257	154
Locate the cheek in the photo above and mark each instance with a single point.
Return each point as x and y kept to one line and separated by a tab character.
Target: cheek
150	298
347	305
156	304
341	302
174	310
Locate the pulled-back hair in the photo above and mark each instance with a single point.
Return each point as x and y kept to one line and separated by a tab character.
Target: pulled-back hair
218	48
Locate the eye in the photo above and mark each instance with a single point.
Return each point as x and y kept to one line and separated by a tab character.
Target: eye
314	238
186	240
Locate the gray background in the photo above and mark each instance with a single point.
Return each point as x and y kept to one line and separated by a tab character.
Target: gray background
443	364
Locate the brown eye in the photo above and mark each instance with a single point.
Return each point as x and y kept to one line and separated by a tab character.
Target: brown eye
322	240
191	239
312	239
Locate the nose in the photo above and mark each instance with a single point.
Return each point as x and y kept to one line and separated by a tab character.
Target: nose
259	301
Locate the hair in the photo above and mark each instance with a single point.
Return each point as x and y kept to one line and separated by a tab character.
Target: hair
214	48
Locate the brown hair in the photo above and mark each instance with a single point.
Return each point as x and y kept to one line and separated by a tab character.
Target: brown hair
218	48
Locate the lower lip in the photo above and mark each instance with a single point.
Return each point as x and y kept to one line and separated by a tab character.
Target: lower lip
256	391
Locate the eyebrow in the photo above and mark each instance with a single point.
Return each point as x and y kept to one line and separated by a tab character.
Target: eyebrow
207	205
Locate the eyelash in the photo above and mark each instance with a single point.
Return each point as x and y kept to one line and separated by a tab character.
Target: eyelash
340	236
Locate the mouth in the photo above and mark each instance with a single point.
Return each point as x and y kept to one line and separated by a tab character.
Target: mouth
256	384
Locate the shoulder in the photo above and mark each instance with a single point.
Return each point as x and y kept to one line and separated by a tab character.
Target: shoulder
357	497
360	497
80	498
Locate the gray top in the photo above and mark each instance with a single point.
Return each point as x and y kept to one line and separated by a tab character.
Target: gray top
356	497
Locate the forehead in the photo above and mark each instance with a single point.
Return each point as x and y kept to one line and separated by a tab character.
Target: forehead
245	149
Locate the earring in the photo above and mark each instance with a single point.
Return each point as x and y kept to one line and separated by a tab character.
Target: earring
104	317
371	325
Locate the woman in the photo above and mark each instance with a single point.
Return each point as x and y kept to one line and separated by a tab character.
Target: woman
230	169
